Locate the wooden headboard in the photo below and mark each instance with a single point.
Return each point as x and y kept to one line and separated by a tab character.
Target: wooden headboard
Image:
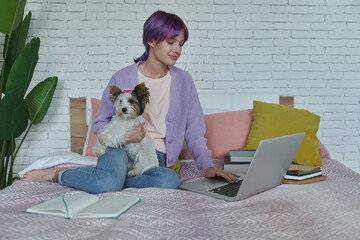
78	126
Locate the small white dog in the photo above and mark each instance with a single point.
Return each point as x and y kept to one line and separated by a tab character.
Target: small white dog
129	105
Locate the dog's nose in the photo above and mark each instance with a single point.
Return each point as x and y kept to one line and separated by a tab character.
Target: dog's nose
124	110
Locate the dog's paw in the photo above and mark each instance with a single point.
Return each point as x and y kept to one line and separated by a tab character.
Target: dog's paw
134	172
99	150
147	168
103	138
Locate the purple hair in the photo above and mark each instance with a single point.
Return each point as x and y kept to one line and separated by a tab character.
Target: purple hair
159	27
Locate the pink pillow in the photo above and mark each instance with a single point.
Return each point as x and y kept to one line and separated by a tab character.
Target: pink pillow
95	104
324	153
225	131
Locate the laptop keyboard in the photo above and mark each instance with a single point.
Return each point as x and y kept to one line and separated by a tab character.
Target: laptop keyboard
229	190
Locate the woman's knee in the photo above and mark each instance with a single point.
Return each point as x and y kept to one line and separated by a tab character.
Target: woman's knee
114	160
110	172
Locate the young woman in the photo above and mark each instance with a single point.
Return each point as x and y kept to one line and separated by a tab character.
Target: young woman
173	115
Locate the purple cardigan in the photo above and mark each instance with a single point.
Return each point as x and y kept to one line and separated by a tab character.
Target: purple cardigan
184	121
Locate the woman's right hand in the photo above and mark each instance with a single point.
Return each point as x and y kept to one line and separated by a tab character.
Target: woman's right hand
135	134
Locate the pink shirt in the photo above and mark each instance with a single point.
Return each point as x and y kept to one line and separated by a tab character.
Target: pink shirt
157	109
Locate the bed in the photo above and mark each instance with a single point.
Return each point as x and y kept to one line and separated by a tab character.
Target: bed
323	210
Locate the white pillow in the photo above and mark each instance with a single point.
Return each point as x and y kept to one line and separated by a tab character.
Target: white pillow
89	119
87	137
57	158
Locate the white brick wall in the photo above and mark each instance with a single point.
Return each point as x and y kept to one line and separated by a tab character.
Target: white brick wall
305	48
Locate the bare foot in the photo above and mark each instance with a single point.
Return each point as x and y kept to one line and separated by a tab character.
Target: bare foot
42	175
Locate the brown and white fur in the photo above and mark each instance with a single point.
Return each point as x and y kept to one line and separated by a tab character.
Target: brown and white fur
142	155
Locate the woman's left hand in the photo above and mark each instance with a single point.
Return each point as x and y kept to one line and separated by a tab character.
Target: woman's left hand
229	176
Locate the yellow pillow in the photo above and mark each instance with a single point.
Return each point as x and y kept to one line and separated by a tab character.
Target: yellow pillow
274	120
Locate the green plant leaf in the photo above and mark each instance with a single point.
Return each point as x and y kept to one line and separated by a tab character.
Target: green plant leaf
23	33
16	45
22	71
7	151
39	99
10	14
14	116
12	43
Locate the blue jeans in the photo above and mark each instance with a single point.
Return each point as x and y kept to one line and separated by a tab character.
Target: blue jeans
110	174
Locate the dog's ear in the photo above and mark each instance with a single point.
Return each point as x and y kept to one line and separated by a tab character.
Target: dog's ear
115	92
143	93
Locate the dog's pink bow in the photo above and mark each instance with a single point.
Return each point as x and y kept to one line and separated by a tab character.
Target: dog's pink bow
127	91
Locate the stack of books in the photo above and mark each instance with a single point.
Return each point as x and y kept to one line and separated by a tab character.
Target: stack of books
241	156
238	161
301	174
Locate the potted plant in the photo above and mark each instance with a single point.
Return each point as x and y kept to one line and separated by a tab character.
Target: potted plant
18	110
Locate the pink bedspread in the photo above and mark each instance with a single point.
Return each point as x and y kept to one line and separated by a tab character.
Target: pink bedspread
323	210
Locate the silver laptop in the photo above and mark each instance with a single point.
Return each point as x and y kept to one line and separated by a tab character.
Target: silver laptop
267	170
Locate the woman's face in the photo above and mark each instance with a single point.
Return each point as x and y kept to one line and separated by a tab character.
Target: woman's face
168	51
